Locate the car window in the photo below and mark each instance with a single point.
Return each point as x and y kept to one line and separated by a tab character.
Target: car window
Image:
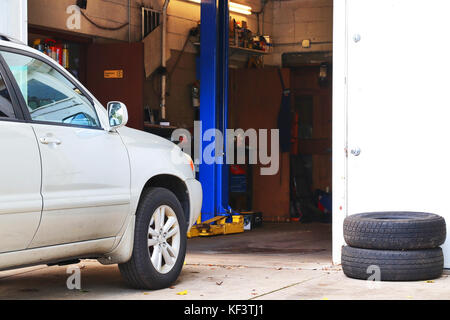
49	95
6	107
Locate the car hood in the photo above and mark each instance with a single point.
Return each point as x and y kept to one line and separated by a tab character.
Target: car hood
144	139
165	156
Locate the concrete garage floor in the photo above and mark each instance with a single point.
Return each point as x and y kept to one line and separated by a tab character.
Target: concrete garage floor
277	261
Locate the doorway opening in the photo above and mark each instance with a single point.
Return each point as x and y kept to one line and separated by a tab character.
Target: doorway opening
311	150
296	202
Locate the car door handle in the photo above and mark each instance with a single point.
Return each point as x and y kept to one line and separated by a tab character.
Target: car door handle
48	140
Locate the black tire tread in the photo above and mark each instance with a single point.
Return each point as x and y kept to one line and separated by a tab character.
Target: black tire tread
408	234
394	265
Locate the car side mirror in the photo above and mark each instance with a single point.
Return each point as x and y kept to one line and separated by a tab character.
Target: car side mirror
117	114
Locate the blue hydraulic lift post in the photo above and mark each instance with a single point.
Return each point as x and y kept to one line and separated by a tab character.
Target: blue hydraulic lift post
222	93
213	101
208	58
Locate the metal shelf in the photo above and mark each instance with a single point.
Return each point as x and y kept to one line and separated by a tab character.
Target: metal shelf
240	50
234	49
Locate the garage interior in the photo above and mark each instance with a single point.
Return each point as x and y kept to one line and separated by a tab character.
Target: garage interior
273	45
150	55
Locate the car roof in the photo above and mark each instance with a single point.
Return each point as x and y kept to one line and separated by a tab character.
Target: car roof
10	39
5	41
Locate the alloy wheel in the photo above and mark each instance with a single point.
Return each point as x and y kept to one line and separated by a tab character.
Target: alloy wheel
163	239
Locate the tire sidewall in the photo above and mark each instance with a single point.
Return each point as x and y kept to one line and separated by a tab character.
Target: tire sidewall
153	199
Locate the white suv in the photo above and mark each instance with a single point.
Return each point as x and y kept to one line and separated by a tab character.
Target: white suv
76	183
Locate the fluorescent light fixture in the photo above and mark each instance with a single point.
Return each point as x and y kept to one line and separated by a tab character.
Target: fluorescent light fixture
238	10
239	6
234	7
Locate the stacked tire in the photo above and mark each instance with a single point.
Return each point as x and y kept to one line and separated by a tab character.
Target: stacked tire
404	246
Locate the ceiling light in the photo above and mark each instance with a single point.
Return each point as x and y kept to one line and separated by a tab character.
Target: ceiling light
239	6
238	10
234	7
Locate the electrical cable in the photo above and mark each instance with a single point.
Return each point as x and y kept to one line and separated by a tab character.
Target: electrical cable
157	74
180	54
102	27
183	50
261	11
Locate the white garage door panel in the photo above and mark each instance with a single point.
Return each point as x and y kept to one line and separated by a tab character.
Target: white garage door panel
399	107
14	19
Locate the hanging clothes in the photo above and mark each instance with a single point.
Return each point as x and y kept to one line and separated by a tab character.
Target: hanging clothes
285	117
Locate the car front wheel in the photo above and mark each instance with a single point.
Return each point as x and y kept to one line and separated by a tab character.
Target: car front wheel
159	242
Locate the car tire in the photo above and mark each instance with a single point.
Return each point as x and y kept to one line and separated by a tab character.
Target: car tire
393	265
394	230
158	251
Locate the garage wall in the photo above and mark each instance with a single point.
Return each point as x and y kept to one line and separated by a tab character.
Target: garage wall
108	13
182	16
296	20
180	111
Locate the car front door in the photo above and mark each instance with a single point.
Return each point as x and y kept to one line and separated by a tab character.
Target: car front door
85	169
20	174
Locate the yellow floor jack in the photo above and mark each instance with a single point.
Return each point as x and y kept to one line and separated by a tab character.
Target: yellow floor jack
216	226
